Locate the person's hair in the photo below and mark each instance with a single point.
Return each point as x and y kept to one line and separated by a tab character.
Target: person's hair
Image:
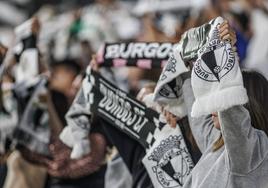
257	90
69	63
189	139
218	144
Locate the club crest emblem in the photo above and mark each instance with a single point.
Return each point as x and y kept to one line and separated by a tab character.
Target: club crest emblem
170	67
172	162
215	60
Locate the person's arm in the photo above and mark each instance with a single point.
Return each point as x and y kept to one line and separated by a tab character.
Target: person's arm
64	167
202	128
55	126
55	122
34	157
246	146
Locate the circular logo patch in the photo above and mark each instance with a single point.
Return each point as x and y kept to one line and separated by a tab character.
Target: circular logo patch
173	163
215	62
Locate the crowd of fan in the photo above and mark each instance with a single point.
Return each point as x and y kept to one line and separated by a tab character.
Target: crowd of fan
53	61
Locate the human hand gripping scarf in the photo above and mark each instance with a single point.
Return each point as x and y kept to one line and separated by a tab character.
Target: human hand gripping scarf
215	65
216	77
189	49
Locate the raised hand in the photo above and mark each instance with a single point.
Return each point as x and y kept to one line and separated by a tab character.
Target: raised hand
227	33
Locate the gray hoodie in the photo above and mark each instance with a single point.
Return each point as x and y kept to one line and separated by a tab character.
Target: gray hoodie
243	160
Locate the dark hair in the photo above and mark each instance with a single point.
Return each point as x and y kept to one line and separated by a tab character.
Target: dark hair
257	90
72	64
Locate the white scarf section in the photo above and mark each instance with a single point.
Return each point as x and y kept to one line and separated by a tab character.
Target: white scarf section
216	77
166	92
79	113
27	67
168	161
149	102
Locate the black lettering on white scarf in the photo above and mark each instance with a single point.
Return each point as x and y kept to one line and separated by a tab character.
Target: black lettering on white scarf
192	41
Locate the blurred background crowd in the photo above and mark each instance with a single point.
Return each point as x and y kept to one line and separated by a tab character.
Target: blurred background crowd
66	34
76	29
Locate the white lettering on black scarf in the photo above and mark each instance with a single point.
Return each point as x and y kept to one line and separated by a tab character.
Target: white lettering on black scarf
167	159
140	54
124	112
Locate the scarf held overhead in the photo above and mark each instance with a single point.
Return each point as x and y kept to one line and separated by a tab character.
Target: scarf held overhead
167	91
140	54
216	77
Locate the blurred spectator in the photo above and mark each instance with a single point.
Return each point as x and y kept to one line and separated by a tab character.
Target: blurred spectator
257	53
62	39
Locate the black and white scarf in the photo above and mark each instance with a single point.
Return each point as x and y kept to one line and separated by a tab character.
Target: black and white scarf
8	121
167	159
167	92
33	130
216	77
139	54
